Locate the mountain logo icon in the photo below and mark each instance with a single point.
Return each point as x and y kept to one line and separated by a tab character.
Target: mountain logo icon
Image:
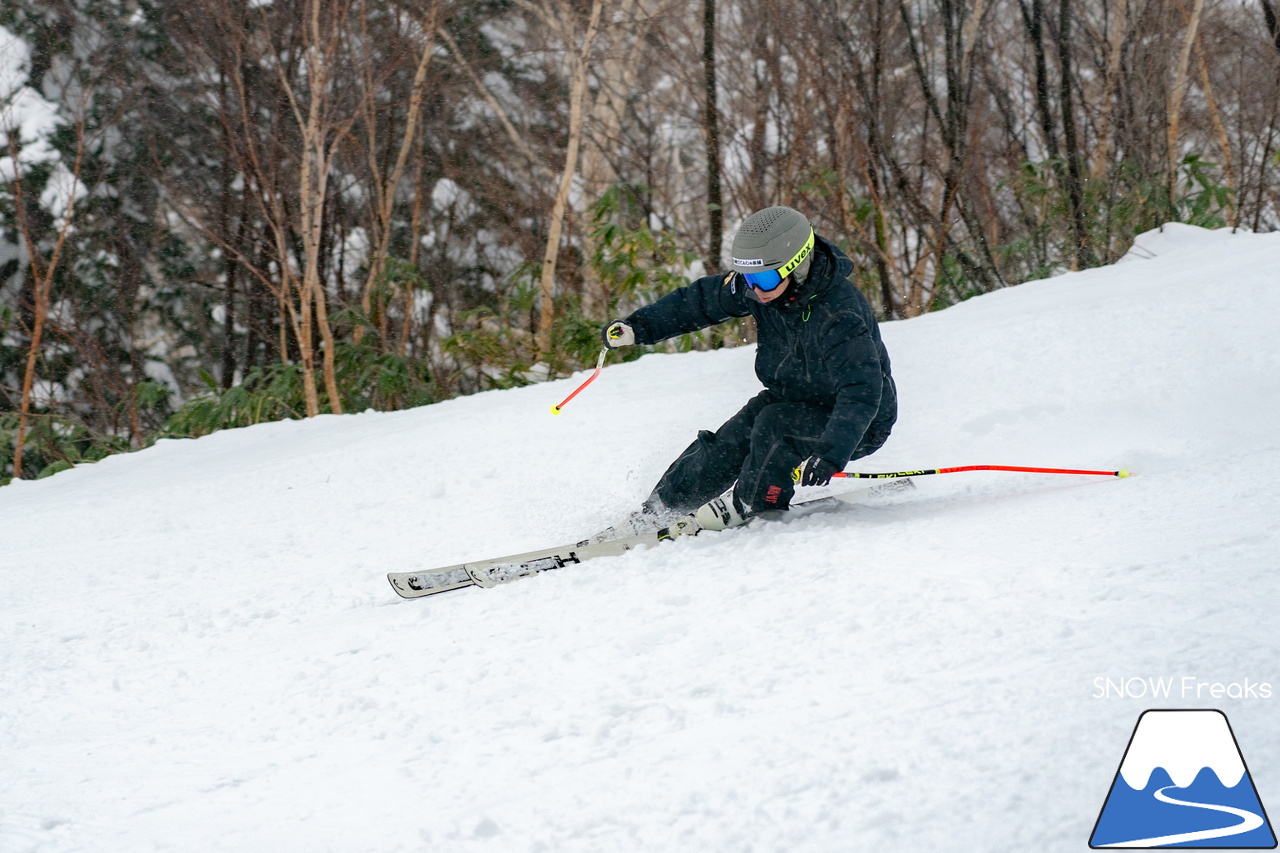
1183	783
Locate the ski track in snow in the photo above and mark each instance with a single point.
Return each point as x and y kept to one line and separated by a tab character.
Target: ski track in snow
199	650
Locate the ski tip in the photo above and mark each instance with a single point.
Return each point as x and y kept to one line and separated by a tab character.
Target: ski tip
555	410
1124	472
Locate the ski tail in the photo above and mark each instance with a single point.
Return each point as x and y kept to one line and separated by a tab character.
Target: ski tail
430	582
486	573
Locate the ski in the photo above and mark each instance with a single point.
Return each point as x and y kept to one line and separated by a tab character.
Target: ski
487	573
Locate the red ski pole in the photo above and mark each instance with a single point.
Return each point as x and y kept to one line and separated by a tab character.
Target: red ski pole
555	410
853	475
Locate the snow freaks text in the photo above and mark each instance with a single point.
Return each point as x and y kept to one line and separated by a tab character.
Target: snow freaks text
1178	687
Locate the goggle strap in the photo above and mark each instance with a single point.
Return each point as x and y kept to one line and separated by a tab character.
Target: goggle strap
786	269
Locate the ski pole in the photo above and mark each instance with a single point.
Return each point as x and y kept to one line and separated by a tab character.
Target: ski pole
853	475
555	410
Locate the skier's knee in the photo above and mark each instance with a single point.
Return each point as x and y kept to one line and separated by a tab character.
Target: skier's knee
770	424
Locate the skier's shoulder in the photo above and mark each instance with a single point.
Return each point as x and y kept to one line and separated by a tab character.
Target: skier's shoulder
712	280
845	309
729	287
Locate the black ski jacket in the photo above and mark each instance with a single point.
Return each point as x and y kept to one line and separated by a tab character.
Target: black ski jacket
819	343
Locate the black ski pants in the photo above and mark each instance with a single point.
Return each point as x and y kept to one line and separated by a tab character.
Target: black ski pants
758	448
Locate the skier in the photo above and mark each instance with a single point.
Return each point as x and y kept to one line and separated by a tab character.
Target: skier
828	394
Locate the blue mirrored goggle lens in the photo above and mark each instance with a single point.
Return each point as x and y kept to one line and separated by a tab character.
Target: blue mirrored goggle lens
765	280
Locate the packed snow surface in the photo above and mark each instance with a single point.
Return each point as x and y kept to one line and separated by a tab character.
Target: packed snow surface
199	650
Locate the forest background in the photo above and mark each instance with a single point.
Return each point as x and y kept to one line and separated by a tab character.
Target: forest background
222	213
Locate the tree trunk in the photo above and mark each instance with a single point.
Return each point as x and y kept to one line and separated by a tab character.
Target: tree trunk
42	281
616	72
1033	18
308	202
1224	141
1177	92
1117	29
715	219
577	94
387	190
1081	254
320	143
1273	22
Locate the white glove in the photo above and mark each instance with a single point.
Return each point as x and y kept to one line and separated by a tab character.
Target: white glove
618	334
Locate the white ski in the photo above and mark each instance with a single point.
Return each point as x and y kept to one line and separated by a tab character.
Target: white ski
486	573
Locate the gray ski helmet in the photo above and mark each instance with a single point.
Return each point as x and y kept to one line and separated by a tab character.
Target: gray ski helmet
776	238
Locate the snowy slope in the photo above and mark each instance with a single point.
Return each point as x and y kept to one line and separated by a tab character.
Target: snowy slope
199	651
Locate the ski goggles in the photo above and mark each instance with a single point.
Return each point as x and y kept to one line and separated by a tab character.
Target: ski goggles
764	281
767	280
